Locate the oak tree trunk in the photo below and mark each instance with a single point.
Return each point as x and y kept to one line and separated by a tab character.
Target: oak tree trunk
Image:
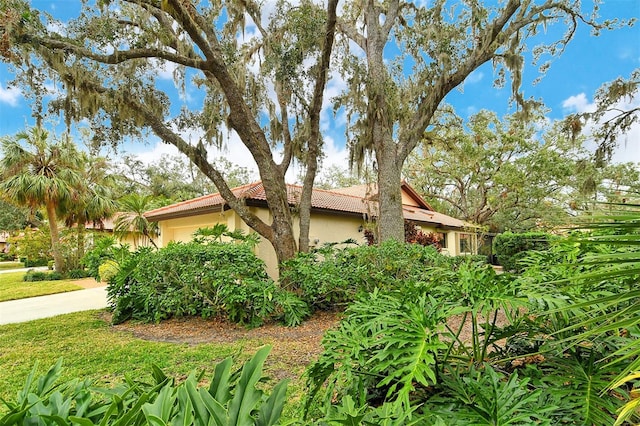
390	217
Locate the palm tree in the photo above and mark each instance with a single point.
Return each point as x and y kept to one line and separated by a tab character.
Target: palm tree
37	173
132	220
95	201
619	312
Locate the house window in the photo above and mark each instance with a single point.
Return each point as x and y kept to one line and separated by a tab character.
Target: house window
442	236
465	243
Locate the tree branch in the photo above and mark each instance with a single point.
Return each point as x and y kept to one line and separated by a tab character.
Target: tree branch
196	154
117	57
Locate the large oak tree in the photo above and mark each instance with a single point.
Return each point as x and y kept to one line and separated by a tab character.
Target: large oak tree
503	173
402	58
617	111
266	87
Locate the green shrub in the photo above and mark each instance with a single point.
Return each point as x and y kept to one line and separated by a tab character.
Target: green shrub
212	279
509	359
76	274
383	350
509	248
32	276
7	257
332	277
33	263
103	250
124	294
234	397
107	270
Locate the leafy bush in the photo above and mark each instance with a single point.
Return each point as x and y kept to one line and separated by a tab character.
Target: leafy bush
31	245
7	257
383	350
231	398
34	263
124	294
484	396
212	279
76	274
102	251
107	270
512	357
413	235
509	248
32	276
331	277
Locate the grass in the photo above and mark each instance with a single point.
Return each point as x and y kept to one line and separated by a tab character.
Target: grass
12	287
10	265
92	349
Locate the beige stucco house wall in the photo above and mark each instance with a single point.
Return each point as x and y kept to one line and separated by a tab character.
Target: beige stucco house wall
324	228
107	228
335	217
4	244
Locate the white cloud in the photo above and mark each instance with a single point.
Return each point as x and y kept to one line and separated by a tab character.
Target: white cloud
628	149
10	95
335	155
164	69
578	103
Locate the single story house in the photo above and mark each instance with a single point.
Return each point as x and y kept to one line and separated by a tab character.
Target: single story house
4	242
107	227
336	215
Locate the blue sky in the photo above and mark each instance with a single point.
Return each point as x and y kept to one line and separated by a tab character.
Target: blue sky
568	86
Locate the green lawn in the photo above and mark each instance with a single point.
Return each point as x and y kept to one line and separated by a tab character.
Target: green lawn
10	265
12	287
92	349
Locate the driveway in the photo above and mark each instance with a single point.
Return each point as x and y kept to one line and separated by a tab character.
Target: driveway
22	310
37	268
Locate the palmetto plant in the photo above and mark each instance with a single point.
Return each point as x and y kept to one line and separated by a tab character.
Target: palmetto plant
232	398
38	172
616	313
132	220
548	360
94	201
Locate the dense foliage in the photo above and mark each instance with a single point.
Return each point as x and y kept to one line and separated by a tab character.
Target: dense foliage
428	339
13	218
32	276
212	279
104	249
233	397
510	247
463	345
334	275
31	246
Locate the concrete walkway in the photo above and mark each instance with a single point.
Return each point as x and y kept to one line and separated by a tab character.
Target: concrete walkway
37	268
22	310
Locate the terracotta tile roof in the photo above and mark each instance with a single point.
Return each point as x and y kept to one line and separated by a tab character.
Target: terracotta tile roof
430	216
346	200
370	192
366	190
107	224
203	204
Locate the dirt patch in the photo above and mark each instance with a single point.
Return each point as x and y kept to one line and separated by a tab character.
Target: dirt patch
195	330
88	283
